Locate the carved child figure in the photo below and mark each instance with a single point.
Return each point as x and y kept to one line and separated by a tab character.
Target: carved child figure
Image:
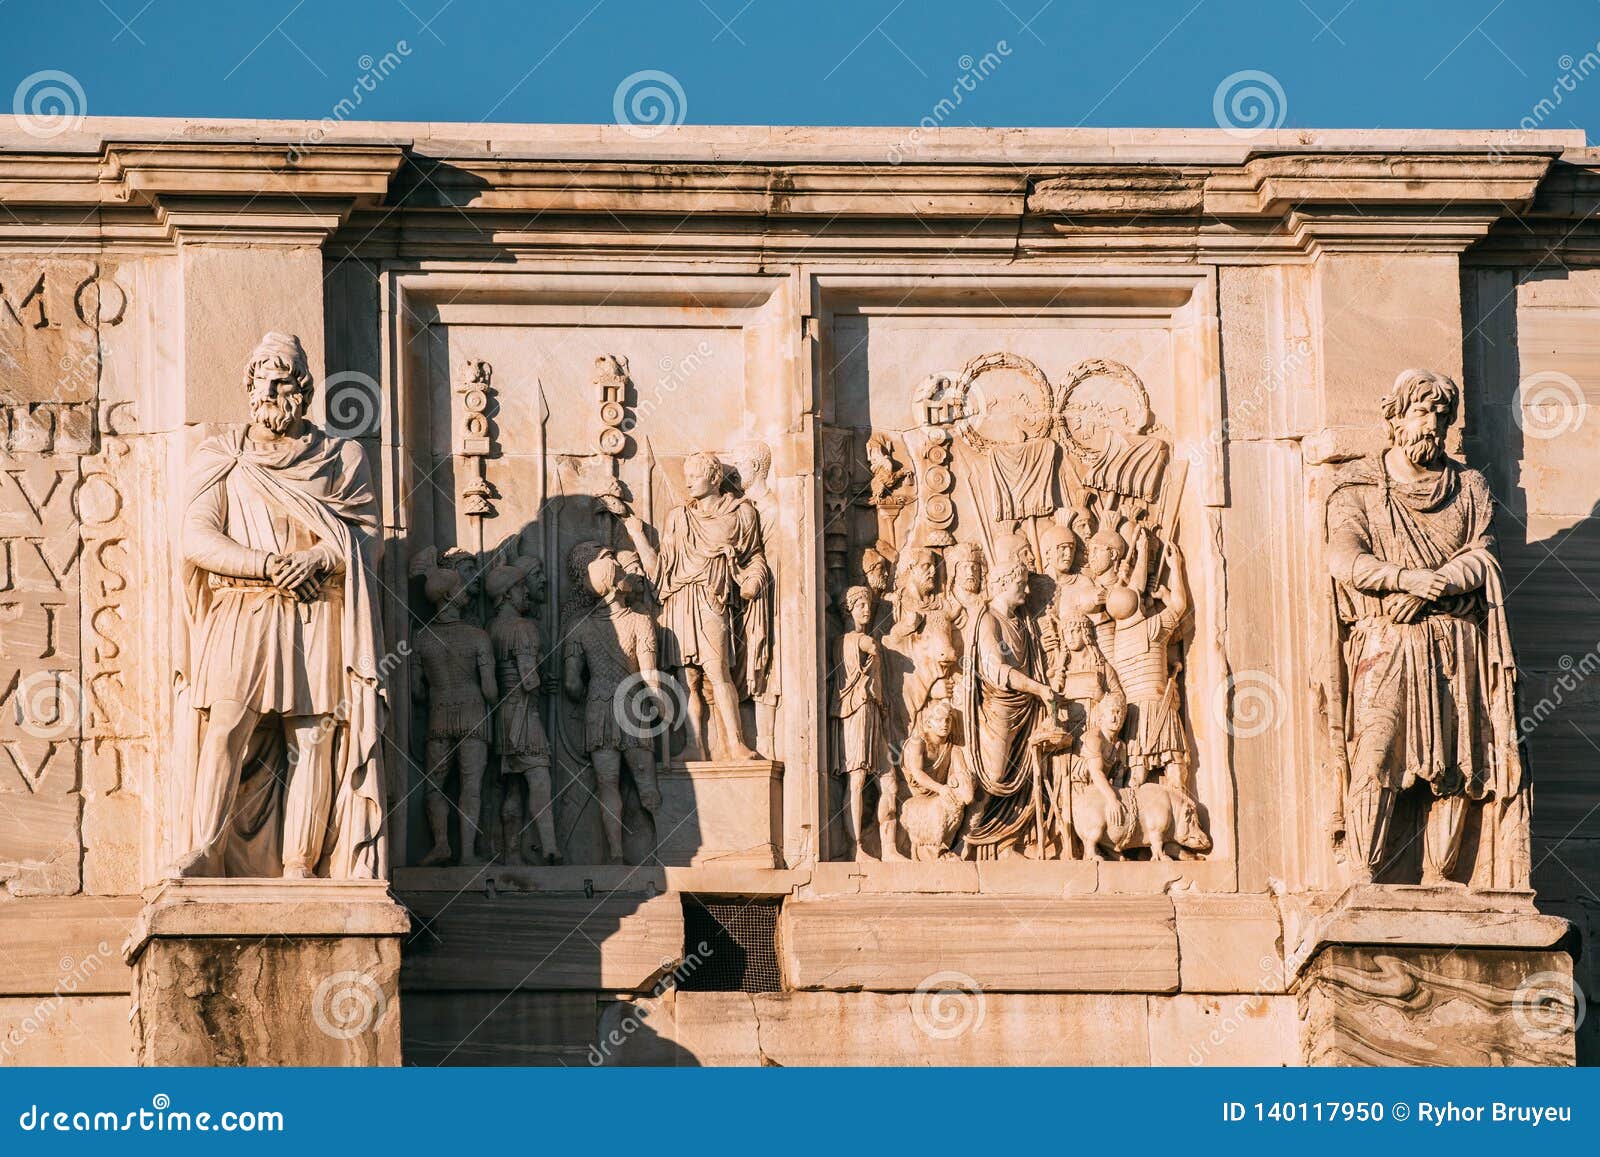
609	646
519	732
1091	690
941	784
454	672
859	707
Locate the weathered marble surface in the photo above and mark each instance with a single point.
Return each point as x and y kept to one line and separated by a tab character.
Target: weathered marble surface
241	972
1440	1006
540	350
949	1028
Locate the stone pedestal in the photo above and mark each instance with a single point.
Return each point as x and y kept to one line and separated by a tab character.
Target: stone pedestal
267	972
721	813
1432	976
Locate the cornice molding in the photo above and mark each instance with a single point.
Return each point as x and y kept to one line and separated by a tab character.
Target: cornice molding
1269	206
219	193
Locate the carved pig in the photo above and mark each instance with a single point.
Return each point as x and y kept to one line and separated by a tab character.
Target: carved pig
1152	815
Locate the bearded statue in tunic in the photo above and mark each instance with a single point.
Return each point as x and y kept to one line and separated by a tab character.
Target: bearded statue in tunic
280	700
1427	744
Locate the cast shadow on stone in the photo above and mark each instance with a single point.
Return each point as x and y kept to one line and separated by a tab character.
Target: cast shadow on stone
1553	606
496	975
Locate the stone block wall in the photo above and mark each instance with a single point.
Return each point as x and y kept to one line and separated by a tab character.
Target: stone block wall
798	290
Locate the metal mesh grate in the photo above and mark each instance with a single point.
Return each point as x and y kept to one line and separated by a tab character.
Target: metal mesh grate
730	946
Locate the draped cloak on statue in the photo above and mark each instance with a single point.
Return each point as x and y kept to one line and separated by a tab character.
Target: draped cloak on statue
1430	699
1002	722
320	484
709	546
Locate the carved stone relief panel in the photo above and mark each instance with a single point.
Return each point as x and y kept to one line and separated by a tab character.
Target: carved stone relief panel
1017	626
611	498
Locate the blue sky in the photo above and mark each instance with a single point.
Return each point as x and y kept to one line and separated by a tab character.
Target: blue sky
1362	63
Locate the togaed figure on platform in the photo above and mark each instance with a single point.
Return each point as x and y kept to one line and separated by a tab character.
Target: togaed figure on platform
282	697
1429	722
714	584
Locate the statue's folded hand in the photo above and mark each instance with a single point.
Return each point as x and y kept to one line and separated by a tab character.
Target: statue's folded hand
1424	584
294	572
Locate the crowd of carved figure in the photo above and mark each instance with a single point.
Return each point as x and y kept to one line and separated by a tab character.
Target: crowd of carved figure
1016	692
1012	612
663	634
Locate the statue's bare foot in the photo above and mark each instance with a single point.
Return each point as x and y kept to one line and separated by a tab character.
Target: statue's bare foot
440	854
552	858
296	872
737	752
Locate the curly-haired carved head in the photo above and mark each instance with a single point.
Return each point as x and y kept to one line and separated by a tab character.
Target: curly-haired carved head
278	380
1419	411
